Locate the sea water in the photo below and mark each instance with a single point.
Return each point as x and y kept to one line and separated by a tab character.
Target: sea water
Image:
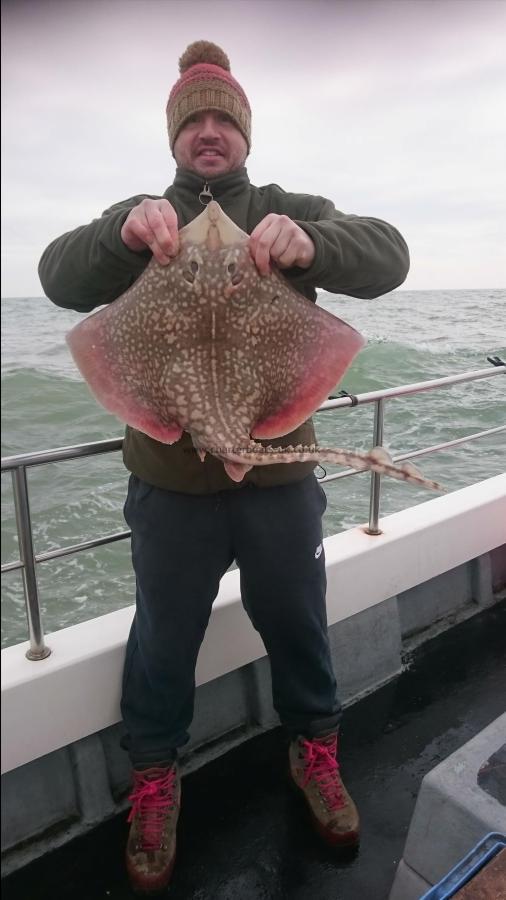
412	336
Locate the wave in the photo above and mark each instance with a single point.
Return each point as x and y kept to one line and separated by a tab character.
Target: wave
42	410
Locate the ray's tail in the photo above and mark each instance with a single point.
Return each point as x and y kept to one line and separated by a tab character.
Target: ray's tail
238	461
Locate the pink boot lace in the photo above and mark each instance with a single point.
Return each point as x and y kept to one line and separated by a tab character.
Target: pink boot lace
152	798
320	763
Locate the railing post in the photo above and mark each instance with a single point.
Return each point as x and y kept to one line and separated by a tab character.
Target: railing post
374	501
38	649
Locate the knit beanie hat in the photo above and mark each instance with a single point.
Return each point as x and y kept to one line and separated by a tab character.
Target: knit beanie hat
206	83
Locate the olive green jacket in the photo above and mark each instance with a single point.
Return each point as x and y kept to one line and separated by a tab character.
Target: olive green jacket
90	266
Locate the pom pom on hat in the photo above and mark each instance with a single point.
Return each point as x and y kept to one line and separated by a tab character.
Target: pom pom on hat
206	83
203	52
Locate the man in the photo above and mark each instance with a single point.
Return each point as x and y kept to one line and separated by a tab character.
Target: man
189	521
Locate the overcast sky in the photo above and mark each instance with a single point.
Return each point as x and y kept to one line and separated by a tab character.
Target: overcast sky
392	108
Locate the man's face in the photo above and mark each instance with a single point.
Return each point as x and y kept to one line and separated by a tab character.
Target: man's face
210	144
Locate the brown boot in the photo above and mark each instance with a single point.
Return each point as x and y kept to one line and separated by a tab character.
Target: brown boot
315	772
151	847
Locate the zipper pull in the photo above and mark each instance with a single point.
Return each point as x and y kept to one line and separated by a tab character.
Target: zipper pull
205	195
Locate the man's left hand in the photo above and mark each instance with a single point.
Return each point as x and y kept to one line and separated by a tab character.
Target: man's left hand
280	239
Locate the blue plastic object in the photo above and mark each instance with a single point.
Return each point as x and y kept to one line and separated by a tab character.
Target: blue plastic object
467	867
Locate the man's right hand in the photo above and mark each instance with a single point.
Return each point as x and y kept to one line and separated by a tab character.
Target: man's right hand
153	224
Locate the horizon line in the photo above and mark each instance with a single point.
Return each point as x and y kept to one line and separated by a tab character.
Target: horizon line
318	290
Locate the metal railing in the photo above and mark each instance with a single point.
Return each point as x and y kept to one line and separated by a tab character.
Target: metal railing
18	465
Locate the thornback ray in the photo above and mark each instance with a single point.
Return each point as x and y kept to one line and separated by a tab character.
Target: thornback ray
207	345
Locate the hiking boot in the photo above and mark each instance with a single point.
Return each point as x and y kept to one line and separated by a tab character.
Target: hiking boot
151	847
315	772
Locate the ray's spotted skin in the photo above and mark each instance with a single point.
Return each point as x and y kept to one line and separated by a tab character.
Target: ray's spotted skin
207	345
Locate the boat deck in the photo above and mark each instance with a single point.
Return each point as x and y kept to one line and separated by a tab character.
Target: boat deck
243	835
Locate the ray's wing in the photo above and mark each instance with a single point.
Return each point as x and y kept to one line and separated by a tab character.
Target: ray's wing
304	353
121	351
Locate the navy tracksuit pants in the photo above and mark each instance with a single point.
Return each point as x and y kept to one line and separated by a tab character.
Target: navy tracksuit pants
181	546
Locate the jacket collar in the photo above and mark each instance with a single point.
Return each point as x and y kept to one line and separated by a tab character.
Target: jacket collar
229	185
